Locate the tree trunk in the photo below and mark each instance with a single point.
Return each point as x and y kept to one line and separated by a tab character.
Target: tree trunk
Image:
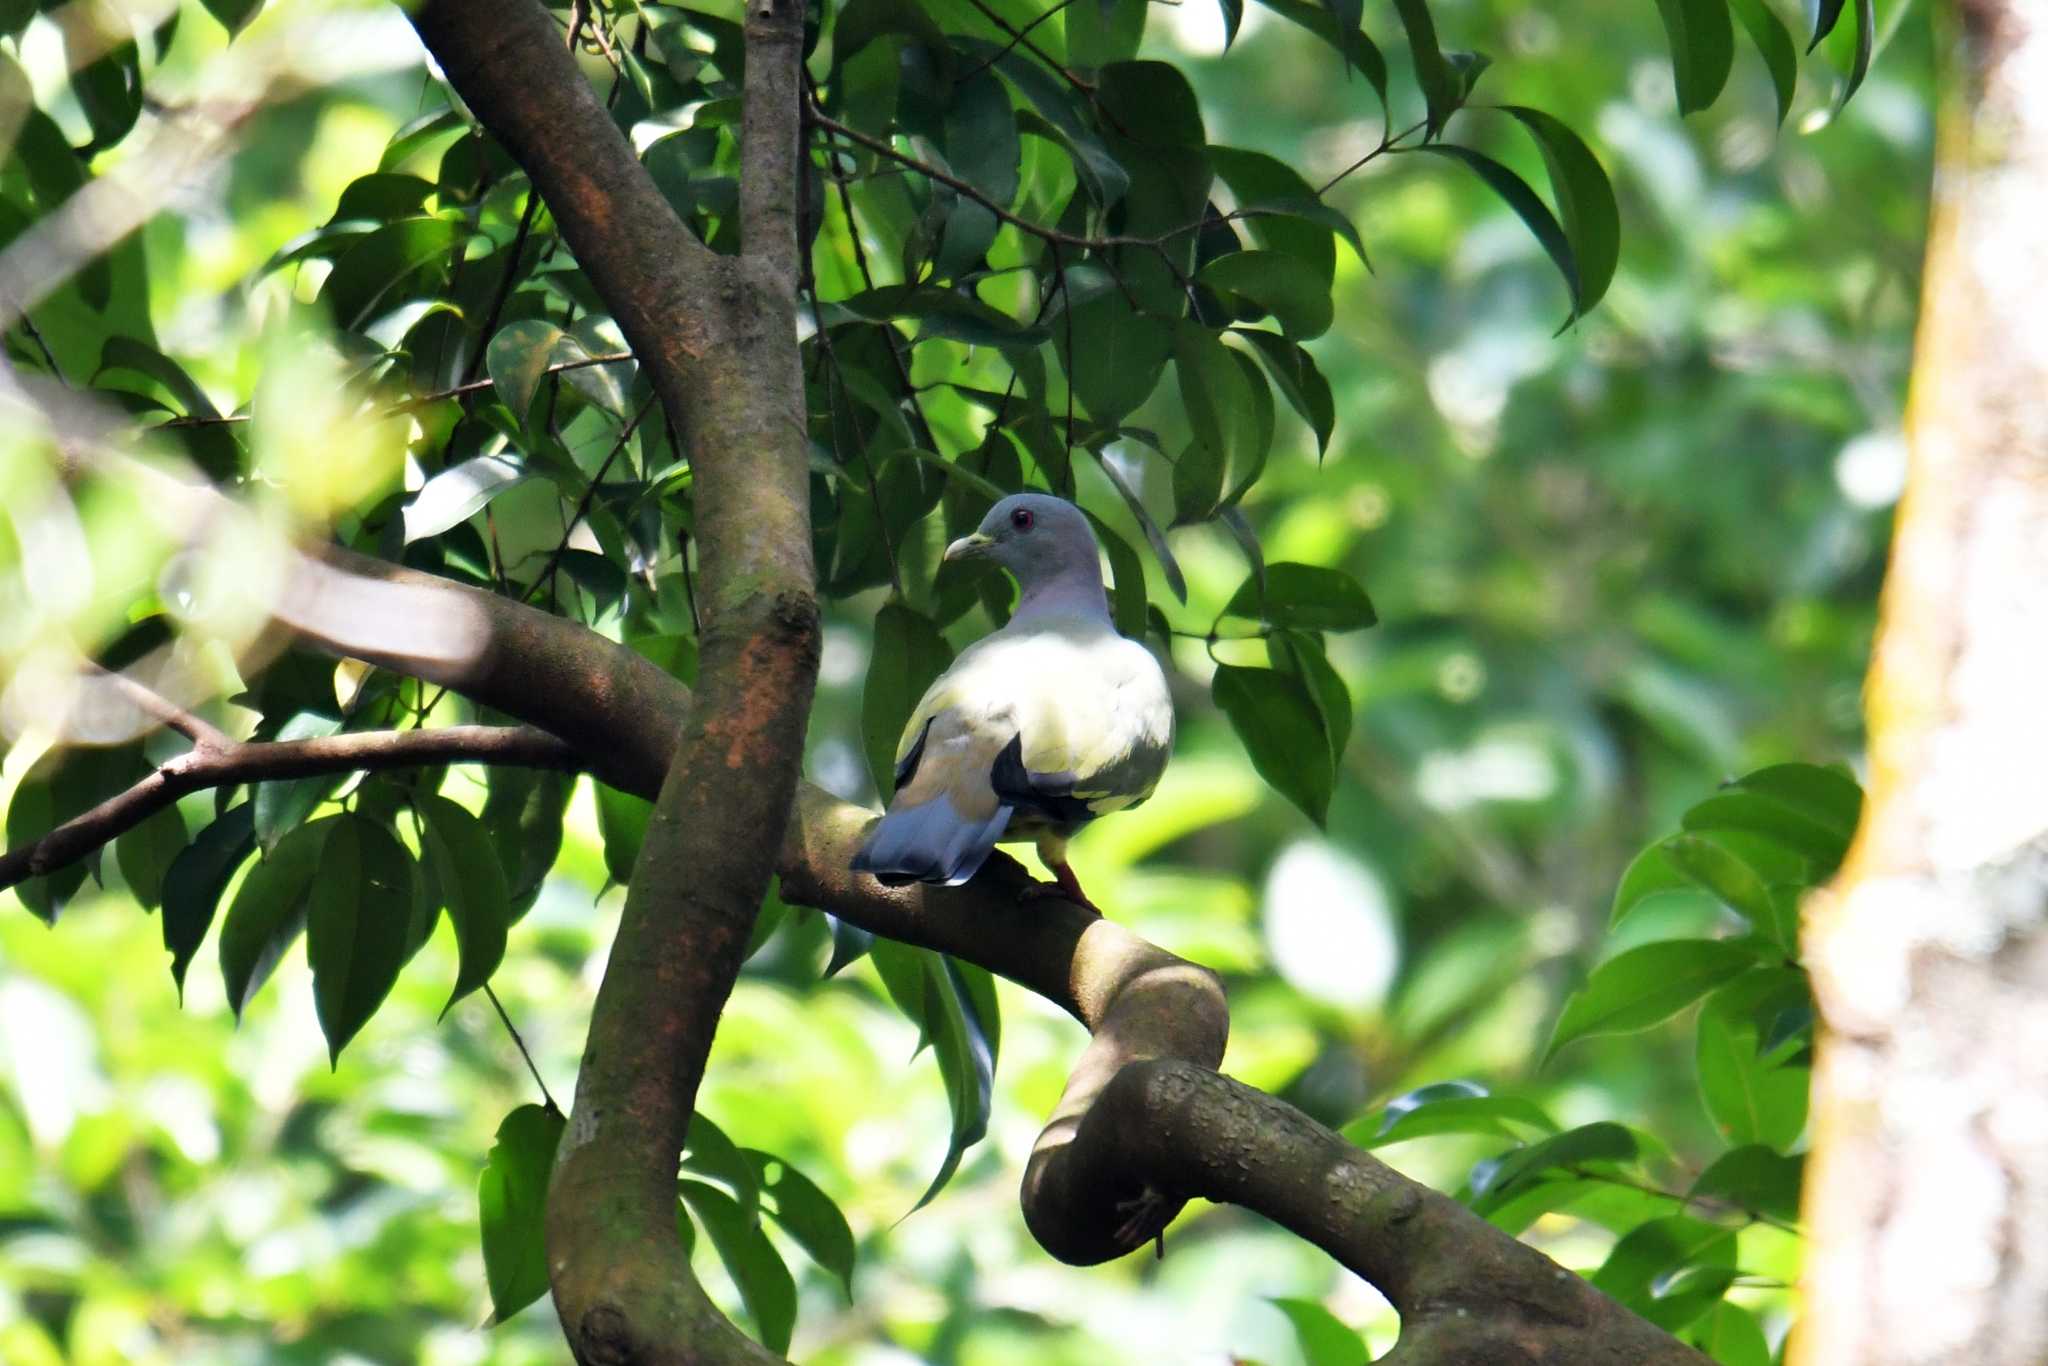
1929	1188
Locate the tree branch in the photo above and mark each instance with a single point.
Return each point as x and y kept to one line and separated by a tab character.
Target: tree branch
215	761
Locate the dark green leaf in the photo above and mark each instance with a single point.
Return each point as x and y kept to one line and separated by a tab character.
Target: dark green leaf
1350	42
1702	49
707	1151
368	270
908	653
1281	209
1751	1098
512	1199
1128	601
1154	536
283	805
1826	13
1282	285
1594	1147
1533	212
755	1266
1113	356
359	925
1585	201
1647	984
269	911
1233	15
382	196
523	816
109	89
850	943
1322	1336
1301	655
195	880
1651	1253
1442	90
233	15
1307	597
145	853
1774	44
62	784
126	353
1294	370
807	1214
1282	731
963	1037
1231	432
458	850
1754	1178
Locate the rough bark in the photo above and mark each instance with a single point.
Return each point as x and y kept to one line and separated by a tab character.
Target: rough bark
717	337
1929	1183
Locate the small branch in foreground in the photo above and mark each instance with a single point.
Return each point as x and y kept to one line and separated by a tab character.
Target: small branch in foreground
211	763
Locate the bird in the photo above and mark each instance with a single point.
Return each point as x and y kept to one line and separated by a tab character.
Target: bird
1035	729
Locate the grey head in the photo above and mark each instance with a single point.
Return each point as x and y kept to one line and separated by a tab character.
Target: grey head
1047	544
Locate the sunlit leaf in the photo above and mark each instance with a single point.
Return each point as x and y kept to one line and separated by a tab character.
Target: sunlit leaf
459	493
765	1284
1647	984
807	1214
1324	1339
512	1198
1281	285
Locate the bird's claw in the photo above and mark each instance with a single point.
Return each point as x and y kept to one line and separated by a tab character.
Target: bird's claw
1146	1216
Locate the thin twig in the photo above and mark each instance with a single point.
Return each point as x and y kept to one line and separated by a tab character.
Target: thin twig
1023	36
504	290
583	504
1387	144
546	1099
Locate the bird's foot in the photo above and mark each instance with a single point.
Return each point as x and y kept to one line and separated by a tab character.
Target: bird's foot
1065	886
1146	1216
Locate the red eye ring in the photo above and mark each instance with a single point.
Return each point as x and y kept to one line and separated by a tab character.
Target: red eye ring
1021	519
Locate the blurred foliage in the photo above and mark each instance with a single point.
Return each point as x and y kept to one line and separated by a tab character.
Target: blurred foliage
1611	568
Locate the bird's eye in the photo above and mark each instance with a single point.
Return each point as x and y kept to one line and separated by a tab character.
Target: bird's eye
1021	519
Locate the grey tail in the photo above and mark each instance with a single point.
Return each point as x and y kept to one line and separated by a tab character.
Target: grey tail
929	842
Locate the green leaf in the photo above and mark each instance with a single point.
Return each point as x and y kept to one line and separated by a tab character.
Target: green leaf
195	880
1302	656
1774	44
472	881
523	816
622	823
359	925
63	784
1447	1108
283	805
458	493
233	15
1282	285
907	654
1281	209
512	1197
1751	1098
1128	601
366	273
1702	49
1754	1178
1756	878
765	1284
145	853
517	359
1647	984
1162	553
127	353
269	911
963	1035
1282	731
1826	13
850	943
1324	1338
1101	176
603	385
1233	15
1650	874
1767	819
1533	212
1113	356
1590	1147
707	1151
1825	796
1359	51
1649	1255
1294	370
1731	1336
1305	597
807	1214
1585	201
1442	90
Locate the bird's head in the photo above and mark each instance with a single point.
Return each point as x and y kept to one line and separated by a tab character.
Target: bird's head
1037	537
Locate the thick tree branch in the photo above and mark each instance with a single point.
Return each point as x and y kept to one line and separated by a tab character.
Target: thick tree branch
717	336
215	761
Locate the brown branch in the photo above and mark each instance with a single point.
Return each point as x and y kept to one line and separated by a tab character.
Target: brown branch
220	763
